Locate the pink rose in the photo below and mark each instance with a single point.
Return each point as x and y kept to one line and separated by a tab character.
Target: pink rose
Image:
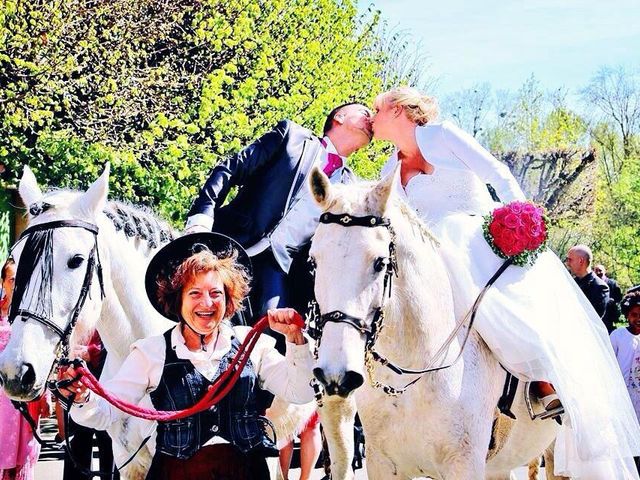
515	207
529	208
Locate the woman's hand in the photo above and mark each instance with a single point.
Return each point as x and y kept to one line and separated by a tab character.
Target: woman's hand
288	322
77	388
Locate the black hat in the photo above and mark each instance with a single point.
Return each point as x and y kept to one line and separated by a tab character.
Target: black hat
167	260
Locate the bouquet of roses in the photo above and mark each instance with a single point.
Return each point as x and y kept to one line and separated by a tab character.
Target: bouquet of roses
517	231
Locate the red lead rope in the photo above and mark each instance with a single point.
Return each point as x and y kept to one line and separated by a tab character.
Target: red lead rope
216	392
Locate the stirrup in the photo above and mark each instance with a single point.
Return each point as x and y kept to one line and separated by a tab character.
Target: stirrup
554	412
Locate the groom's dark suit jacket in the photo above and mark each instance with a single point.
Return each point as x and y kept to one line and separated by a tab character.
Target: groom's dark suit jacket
265	172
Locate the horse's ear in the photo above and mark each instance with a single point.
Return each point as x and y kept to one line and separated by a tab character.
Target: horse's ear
92	202
29	190
379	196
320	187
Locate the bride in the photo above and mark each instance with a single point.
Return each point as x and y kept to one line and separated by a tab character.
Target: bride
535	319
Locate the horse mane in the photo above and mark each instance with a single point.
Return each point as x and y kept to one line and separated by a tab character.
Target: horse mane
135	221
139	222
415	221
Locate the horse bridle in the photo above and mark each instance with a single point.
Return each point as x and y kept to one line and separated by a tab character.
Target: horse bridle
93	265
372	331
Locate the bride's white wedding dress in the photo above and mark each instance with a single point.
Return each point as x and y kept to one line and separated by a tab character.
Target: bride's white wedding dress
535	319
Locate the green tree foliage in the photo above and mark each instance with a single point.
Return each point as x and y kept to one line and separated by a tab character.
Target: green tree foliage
617	224
164	89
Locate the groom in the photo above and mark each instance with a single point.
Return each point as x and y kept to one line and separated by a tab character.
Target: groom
273	215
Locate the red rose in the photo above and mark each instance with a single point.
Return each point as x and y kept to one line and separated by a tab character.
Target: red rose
512	221
522	232
532	244
535	230
521	245
494	229
507	239
499	214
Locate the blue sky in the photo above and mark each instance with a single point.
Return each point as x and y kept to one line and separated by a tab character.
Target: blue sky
563	42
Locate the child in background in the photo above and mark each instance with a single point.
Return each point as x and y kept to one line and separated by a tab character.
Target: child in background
626	345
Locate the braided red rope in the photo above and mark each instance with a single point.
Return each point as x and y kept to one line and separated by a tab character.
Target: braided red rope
216	392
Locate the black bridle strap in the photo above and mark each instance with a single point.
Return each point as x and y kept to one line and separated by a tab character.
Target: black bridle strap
61	224
26	314
348	220
24	411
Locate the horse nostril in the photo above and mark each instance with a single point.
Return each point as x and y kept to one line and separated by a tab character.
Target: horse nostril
28	377
319	374
350	382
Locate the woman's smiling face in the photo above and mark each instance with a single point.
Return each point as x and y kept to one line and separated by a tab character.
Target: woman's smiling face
204	302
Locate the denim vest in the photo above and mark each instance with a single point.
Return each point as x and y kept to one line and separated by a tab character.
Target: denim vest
234	418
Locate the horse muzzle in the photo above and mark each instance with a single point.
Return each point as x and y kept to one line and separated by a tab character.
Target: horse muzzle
21	385
341	384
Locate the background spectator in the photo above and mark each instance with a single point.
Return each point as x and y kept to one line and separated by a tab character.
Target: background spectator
612	312
614	289
578	262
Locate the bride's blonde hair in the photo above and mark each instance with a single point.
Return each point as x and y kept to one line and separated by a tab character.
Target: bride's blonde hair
419	108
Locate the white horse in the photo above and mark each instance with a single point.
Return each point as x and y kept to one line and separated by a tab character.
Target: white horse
442	425
126	238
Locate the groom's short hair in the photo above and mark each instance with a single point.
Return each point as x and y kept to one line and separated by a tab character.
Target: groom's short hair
328	123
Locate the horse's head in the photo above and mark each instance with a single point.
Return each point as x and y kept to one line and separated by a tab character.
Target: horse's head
58	281
353	253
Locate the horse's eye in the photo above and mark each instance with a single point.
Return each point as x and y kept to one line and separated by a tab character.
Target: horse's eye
75	261
380	263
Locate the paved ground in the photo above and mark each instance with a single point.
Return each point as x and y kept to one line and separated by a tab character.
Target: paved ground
50	463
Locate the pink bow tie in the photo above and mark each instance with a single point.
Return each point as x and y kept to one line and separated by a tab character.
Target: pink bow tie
334	161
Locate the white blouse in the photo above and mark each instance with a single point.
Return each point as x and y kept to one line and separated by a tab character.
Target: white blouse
285	376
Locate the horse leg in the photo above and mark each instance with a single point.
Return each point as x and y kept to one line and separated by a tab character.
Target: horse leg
337	416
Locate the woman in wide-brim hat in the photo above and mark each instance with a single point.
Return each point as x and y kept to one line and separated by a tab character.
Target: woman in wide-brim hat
199	281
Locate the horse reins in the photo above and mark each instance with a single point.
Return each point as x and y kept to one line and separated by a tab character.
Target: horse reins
216	392
371	332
